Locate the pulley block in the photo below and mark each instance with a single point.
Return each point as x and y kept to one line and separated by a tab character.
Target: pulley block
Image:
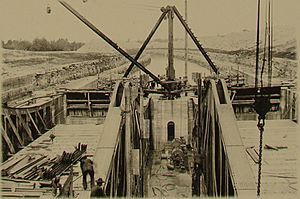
262	105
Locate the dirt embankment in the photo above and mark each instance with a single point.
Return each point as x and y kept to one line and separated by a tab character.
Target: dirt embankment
21	86
16	87
284	69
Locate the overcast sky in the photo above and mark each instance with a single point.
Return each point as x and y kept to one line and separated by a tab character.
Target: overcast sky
133	19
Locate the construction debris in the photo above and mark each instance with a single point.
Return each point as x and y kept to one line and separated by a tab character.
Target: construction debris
252	153
37	167
65	161
267	146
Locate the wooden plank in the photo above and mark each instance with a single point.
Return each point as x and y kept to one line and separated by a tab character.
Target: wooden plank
27	165
7	140
214	99
37	129
8	164
43	122
103	101
220	162
20	194
107	142
25	125
20	164
89	104
14	129
279	166
228	123
86	91
252	153
242	176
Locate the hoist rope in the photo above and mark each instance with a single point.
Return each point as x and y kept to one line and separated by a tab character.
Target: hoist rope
261	131
265	46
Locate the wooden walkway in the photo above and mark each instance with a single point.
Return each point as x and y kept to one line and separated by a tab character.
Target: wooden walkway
67	137
279	168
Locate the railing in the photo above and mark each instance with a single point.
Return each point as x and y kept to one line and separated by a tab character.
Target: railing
289	104
122	149
87	102
224	168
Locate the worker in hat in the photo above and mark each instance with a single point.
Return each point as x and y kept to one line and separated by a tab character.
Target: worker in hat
97	191
87	168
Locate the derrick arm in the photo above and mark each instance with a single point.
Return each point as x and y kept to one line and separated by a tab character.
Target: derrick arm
145	43
110	42
195	40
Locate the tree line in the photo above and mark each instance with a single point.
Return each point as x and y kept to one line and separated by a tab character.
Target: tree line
42	44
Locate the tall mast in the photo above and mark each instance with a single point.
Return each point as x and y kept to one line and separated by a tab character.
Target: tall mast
186	45
257	45
265	46
270	30
170	69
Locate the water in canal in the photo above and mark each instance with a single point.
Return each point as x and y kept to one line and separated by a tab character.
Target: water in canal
159	63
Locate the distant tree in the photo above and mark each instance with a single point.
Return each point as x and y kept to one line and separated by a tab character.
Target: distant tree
42	44
24	45
62	44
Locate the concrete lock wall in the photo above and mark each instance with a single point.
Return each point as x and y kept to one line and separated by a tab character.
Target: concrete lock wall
165	111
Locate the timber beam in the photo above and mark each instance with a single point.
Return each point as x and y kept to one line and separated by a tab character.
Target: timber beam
25	125
7	140
33	122
21	142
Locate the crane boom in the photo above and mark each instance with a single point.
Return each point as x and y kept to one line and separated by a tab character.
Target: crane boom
145	43
110	42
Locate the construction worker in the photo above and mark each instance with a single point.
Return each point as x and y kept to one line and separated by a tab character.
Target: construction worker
87	168
97	191
56	185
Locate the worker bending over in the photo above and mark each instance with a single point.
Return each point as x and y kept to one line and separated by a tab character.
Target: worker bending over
87	168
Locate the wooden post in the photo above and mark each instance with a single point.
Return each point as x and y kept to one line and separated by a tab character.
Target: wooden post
14	129
25	125
128	141
32	120
89	105
142	126
65	106
213	145
282	104
220	159
37	120
7	140
118	163
205	140
52	110
199	112
44	116
142	137
290	104
226	177
43	122
171	70
186	47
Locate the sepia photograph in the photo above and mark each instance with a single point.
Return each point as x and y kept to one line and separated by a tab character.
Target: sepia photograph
149	98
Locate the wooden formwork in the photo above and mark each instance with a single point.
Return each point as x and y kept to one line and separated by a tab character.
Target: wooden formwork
23	124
